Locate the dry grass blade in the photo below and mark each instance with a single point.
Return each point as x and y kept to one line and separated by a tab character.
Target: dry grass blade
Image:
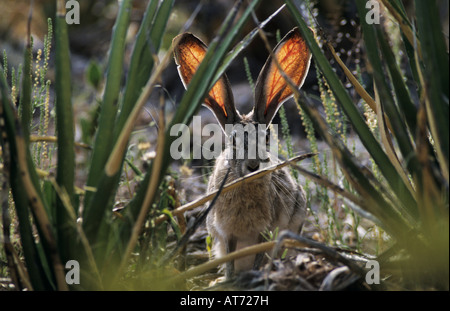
232	185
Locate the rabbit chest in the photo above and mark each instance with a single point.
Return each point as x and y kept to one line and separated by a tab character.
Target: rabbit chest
246	209
249	208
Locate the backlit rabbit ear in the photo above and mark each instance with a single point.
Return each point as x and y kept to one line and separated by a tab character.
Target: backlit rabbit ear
189	53
271	89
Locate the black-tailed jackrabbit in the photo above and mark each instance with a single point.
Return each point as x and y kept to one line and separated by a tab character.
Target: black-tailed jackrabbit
274	201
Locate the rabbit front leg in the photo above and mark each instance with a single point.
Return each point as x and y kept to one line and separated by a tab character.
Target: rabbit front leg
247	262
230	247
240	264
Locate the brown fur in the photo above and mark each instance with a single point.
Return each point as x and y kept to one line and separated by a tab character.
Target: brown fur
272	201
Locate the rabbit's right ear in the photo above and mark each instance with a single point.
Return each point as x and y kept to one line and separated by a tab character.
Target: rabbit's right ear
271	89
189	52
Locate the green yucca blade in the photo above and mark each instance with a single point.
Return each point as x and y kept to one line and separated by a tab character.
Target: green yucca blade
405	103
64	111
149	38
65	173
410	52
107	118
436	77
100	224
147	45
403	98
25	93
44	254
409	38
400	130
88	268
359	125
47	249
435	55
36	267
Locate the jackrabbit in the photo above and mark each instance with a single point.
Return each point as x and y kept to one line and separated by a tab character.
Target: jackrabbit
274	201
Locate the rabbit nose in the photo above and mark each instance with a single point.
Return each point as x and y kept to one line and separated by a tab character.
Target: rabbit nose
253	165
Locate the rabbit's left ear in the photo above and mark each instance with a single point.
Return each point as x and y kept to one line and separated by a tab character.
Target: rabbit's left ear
271	89
189	52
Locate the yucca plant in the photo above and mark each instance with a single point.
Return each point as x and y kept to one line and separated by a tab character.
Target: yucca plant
410	201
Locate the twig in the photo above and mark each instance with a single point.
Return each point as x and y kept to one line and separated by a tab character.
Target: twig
292	239
327	283
250	250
